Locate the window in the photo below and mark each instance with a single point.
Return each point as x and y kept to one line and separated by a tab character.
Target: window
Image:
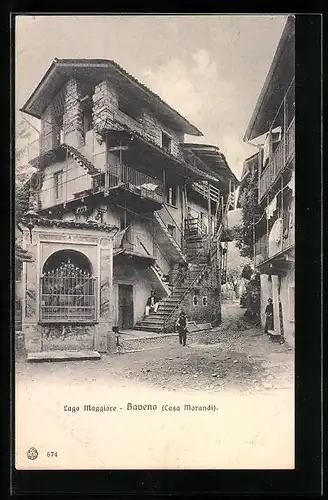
58	182
166	142
171	195
195	300
204	300
67	288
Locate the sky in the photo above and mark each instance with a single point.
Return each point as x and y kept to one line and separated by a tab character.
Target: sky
210	68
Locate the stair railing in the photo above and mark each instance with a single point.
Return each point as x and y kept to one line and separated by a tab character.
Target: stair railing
198	276
148	253
173	223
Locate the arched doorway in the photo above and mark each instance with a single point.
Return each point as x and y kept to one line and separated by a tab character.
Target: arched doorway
68	288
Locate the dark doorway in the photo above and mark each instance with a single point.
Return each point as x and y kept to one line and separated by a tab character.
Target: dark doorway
125	306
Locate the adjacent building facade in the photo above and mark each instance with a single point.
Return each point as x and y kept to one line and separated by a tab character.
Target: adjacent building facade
119	205
272	130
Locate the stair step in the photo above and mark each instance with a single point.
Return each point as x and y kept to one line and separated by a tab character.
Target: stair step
151	326
166	309
153	321
154	317
159	313
147	329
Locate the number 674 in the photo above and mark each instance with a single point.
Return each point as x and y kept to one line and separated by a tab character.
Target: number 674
52	454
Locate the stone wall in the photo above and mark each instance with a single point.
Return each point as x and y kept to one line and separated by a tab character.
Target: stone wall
105	102
97	247
200	313
106	111
73	114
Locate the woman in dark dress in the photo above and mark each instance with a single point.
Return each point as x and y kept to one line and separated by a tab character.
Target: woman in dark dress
269	317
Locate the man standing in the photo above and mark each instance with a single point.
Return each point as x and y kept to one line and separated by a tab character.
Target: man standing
152	303
182	328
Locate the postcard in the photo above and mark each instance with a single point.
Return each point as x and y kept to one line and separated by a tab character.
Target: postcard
154	241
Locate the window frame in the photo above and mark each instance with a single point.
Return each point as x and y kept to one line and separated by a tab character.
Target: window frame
195	300
58	186
171	196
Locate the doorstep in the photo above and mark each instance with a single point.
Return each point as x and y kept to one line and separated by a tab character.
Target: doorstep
62	355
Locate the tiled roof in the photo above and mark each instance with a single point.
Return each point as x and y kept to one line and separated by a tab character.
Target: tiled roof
72	224
106	64
211	155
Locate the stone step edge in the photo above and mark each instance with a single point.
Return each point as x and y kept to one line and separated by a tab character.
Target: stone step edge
57	355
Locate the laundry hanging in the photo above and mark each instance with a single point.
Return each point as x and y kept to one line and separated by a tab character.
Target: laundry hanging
270	209
266	149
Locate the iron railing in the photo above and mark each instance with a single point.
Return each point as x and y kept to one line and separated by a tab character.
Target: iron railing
129	179
68	294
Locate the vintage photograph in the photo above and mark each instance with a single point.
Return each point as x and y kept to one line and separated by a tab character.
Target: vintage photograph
154	241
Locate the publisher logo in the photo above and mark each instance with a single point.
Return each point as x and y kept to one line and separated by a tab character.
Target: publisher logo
32	453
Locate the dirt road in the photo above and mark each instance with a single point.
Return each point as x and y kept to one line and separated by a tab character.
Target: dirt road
245	377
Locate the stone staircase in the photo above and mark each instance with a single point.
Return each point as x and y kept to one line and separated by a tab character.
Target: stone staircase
155	322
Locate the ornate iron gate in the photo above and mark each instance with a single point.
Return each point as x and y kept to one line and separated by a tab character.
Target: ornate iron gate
68	294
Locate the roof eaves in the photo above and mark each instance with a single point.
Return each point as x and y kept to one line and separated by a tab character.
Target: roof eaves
266	86
215	151
105	63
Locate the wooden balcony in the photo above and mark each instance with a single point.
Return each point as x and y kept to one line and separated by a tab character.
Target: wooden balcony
123	179
267	252
203	190
283	155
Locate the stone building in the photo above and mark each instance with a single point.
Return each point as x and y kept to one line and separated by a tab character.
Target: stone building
272	129
120	205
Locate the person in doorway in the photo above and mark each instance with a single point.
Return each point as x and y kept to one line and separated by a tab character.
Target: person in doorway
268	317
181	325
152	303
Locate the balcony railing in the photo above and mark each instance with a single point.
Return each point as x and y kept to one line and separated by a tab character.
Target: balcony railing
265	250
279	160
131	180
203	190
194	226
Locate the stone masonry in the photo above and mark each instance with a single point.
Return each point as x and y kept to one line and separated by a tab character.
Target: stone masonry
73	115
